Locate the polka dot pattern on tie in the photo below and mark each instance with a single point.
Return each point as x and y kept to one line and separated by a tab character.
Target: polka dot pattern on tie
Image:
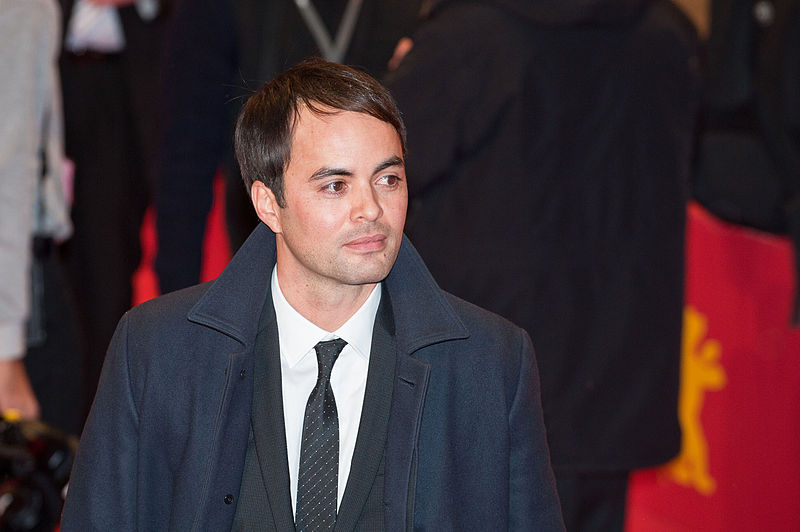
318	478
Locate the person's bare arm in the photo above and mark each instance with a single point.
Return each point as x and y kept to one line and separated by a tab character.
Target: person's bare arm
16	392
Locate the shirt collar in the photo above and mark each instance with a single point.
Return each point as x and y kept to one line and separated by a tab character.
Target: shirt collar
297	336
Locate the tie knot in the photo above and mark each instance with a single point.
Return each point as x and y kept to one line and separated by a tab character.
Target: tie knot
327	352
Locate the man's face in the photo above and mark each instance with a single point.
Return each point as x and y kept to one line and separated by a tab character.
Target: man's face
345	202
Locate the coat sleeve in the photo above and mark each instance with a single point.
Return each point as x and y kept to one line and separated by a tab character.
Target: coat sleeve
452	89
533	500
433	73
102	490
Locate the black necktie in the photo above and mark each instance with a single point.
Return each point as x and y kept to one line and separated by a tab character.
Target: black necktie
318	479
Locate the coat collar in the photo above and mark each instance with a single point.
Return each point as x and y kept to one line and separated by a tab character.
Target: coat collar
233	302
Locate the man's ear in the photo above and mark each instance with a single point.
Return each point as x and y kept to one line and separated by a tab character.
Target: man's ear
266	206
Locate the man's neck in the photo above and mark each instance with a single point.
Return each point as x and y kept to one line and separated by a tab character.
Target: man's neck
326	307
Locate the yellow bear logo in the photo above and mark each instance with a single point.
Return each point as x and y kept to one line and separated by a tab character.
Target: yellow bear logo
701	371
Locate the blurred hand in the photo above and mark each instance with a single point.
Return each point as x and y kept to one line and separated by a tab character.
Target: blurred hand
15	389
404	46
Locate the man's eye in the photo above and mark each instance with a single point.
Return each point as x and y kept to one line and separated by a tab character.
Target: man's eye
390	180
336	187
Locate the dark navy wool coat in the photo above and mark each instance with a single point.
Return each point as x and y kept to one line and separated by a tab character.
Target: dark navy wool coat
164	446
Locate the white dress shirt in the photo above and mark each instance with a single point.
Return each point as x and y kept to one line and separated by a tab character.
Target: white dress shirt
297	337
98	27
94	27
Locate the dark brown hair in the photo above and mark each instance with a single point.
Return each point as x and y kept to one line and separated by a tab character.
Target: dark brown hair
263	136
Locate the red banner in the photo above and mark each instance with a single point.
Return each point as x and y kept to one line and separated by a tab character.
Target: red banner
739	468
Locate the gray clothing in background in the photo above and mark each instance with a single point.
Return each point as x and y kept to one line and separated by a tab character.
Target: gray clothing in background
31	203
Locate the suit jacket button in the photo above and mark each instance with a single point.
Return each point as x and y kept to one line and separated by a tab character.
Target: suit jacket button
228	498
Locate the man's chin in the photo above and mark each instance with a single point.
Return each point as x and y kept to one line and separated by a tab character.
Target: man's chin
367	275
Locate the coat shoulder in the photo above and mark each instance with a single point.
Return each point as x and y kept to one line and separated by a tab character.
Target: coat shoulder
488	330
479	320
170	308
159	333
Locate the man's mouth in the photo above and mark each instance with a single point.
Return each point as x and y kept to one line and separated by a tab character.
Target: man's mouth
367	243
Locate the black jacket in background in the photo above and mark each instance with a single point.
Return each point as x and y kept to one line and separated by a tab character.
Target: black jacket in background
549	154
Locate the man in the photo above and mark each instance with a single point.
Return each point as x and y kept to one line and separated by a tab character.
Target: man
209	395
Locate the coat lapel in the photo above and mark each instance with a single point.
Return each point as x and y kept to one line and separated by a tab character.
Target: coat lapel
372	429
422	317
410	385
267	419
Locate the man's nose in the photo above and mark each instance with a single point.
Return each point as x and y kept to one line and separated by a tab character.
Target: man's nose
366	204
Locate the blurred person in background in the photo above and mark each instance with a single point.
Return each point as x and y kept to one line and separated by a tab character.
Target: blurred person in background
32	204
548	163
110	69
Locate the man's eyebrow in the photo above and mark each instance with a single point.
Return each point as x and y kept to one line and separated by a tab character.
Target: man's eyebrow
388	163
324	172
